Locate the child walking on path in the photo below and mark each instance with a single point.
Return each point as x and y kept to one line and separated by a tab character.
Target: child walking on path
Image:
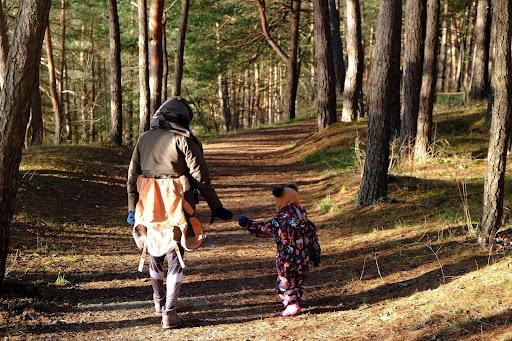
297	245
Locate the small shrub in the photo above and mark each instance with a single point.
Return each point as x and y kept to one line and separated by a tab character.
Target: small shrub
325	205
61	281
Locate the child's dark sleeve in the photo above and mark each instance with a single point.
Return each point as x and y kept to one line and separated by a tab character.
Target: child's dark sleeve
314	250
261	229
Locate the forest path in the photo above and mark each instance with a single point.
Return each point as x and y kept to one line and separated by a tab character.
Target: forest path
378	279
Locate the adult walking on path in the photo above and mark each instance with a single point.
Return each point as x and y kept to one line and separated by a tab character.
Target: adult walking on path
168	163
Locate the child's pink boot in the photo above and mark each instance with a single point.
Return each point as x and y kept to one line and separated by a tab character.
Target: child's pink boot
291	310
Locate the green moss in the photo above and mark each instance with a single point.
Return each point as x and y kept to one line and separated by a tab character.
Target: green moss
333	158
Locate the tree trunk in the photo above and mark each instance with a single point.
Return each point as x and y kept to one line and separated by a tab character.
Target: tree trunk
382	99
4	46
354	78
180	49
337	48
54	95
500	126
155	54
413	68
95	75
444	41
36	112
291	60
428	82
326	81
165	60
116	100
144	111
480	75
63	75
22	60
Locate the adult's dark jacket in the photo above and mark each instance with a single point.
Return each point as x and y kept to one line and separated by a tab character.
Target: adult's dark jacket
169	149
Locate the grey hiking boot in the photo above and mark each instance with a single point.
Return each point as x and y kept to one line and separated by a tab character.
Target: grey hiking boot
170	319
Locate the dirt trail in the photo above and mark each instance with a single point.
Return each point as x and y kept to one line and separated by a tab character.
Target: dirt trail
378	279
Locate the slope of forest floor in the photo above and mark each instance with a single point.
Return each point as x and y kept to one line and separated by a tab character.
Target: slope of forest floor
407	267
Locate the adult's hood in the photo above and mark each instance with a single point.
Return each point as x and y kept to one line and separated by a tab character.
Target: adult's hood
174	114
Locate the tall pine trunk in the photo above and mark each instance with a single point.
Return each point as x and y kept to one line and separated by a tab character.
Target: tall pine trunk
494	184
63	76
54	95
428	83
480	74
354	77
155	54
180	49
116	101
22	60
413	69
326	80
36	112
4	46
384	79
144	114
291	59
337	46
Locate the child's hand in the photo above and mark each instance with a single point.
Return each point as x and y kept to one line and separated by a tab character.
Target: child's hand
315	261
244	221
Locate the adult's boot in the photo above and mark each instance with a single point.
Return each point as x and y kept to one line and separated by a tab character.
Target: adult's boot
170	319
159	304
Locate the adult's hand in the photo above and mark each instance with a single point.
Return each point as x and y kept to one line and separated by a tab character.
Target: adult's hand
221	213
131	218
244	221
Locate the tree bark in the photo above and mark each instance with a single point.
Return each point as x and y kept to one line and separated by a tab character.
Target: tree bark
144	111
63	76
155	54
337	46
116	100
428	83
326	80
36	112
291	60
54	95
382	99
500	126
415	19
480	75
354	78
443	49
4	46
180	49
22	61
165	59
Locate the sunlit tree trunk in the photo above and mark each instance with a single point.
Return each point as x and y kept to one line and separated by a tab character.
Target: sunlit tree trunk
165	63
63	75
480	74
22	60
415	21
443	52
383	83
155	54
326	80
494	184
291	59
144	107
428	82
354	77
116	101
54	95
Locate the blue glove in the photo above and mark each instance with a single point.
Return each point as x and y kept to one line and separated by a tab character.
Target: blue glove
221	213
244	221
131	218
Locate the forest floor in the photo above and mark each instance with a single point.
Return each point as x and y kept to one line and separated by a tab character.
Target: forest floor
405	269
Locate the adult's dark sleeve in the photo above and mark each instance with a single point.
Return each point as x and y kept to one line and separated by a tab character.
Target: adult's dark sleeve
198	170
133	173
